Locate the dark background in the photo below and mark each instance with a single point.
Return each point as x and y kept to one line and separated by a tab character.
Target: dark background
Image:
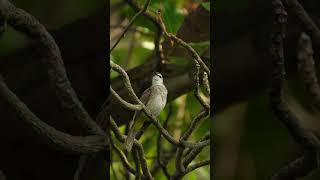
80	30
250	142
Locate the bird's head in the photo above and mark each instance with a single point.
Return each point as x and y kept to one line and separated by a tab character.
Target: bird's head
157	79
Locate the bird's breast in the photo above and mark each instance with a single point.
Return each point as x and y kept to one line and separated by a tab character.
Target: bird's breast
156	104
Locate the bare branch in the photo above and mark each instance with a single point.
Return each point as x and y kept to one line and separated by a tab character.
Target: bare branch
307	69
159	156
51	57
304	137
48	134
300	167
136	145
192	153
197	165
135	107
295	8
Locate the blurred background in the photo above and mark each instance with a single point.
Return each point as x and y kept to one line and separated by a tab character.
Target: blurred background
250	142
136	49
80	30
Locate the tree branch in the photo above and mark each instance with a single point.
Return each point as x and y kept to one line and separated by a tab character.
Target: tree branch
49	135
304	19
306	68
304	137
51	57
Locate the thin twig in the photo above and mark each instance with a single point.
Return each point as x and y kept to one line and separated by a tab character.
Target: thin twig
136	145
136	159
135	107
134	30
157	20
191	154
145	7
159	156
123	158
197	165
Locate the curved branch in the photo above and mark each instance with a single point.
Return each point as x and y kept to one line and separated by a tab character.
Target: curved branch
280	108
51	136
123	158
306	68
136	145
297	168
135	107
301	135
192	153
51	57
304	19
162	130
197	165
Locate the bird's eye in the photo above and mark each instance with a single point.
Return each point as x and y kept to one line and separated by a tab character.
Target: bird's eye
158	74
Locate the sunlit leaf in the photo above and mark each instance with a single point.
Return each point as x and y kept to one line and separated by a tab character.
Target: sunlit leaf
206	5
171	17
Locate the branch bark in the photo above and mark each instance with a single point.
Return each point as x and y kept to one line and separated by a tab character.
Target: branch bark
49	135
51	57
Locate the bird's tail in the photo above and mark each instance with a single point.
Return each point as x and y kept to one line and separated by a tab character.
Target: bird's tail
131	134
130	139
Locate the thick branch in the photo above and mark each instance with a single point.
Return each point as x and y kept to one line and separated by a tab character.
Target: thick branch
51	57
300	167
51	136
304	19
307	69
304	137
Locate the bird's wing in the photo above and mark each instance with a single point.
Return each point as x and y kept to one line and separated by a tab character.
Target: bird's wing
134	126
144	99
145	96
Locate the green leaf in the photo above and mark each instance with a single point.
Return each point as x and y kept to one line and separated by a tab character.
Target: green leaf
140	21
171	16
200	47
178	60
206	5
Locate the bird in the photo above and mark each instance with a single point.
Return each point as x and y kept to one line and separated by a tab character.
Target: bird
155	99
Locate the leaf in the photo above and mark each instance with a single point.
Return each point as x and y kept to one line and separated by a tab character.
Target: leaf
178	60
140	21
200	47
206	5
171	15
